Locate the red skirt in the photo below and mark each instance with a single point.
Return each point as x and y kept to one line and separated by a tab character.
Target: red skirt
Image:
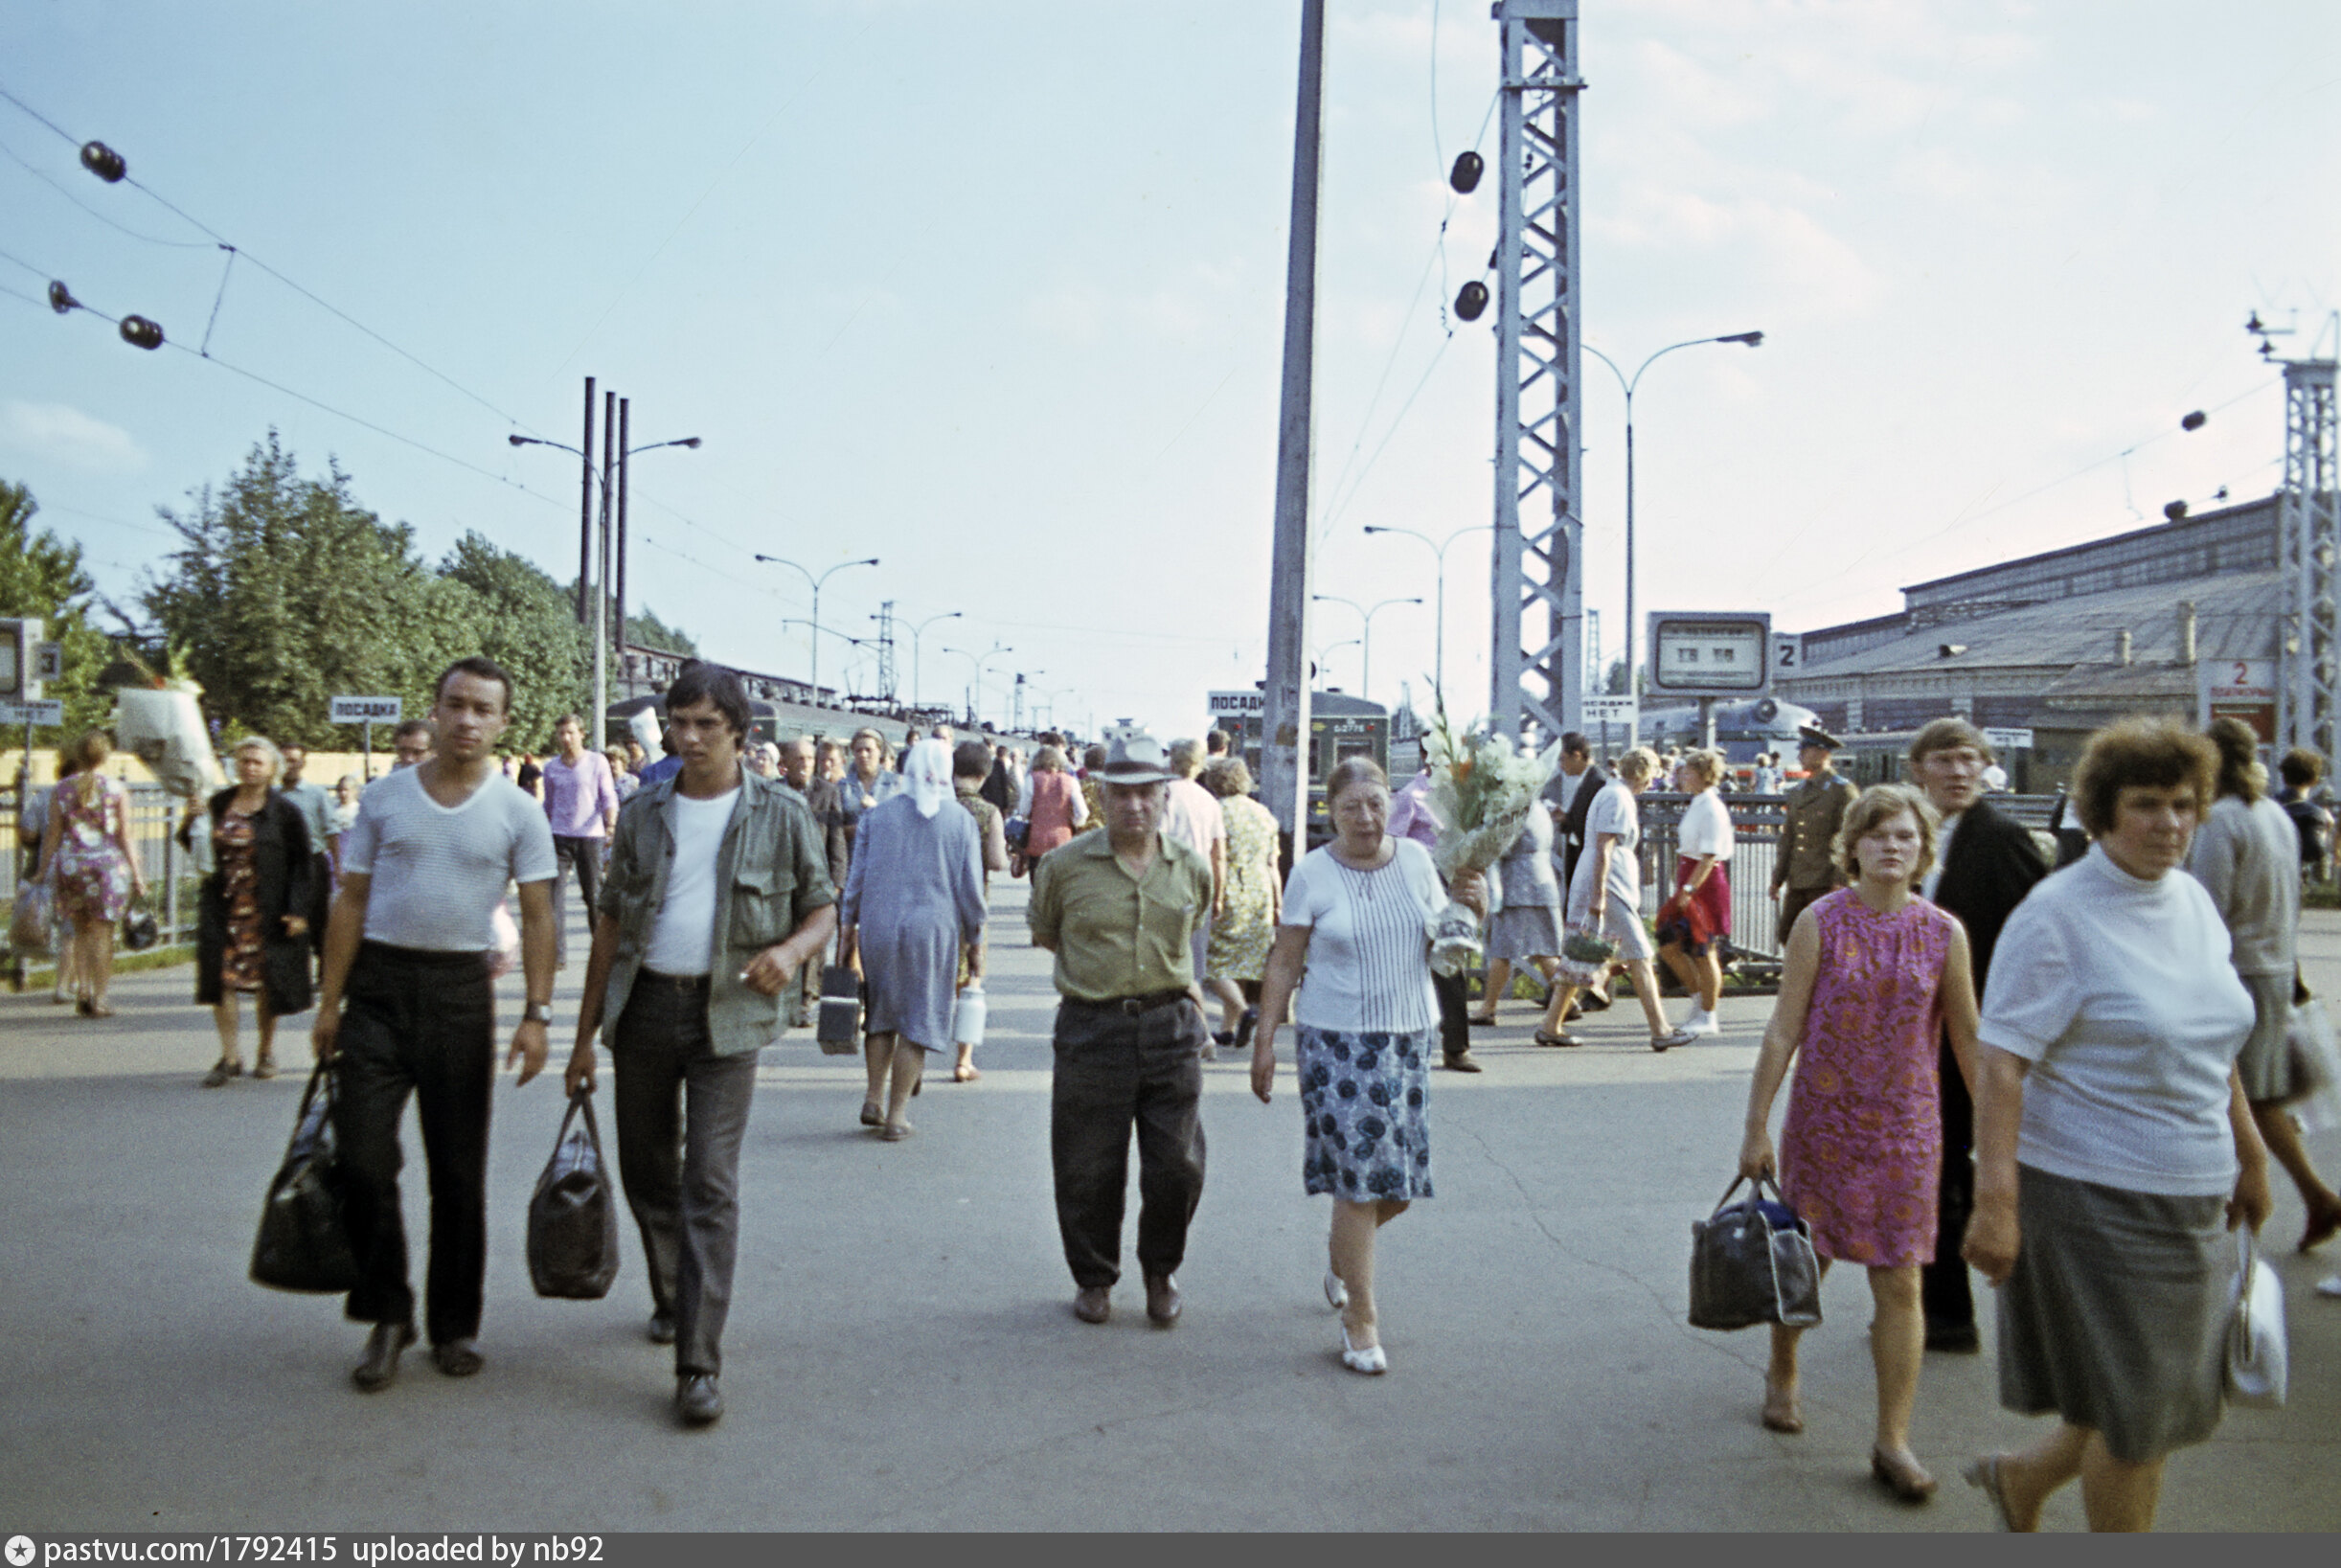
1707	914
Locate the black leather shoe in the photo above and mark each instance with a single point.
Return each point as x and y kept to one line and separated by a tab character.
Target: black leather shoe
1461	1061
695	1399
1094	1304
662	1329
457	1358
1162	1300
1958	1338
381	1364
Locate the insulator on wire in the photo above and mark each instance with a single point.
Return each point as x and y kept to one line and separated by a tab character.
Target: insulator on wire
103	162
1465	175
141	333
2175	510
60	298
2194	420
1471	299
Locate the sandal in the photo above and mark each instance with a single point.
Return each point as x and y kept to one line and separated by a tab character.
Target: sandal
965	1074
1984	1475
1565	1038
1781	1412
263	1070
896	1131
1907	1479
99	1010
221	1072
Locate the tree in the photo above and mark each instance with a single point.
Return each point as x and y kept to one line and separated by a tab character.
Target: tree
41	575
527	623
285	593
645	629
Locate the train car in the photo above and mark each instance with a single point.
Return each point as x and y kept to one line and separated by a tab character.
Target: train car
1882	758
1743	729
1340	727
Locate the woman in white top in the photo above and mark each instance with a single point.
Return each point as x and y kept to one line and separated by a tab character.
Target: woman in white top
2114	1145
1355	917
1692	943
1605	896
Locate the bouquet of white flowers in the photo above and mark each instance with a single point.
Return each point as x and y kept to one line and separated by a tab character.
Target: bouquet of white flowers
1482	787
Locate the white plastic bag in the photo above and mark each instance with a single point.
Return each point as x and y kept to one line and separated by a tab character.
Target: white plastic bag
2316	1068
2258	1359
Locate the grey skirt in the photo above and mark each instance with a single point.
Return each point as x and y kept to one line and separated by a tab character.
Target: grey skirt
2115	1317
2266	1063
1518	932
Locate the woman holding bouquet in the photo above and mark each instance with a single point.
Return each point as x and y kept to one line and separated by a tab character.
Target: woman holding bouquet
1605	898
1876	976
1356	919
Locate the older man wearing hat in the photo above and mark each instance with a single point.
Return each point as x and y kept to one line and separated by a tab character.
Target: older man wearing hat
1804	869
1120	909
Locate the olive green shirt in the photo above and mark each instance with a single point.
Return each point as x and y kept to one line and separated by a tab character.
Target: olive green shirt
1813	810
1116	935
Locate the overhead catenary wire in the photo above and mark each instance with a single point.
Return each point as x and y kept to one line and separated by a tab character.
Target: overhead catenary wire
62	190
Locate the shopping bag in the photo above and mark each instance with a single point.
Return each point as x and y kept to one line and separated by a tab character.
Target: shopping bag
572	1214
303	1242
2258	1359
30	924
140	929
839	1028
1752	1261
1585	956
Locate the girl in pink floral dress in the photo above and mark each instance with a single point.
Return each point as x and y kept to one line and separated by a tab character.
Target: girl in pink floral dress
91	867
1876	976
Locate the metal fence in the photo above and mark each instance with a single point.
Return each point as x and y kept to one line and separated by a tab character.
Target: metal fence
154	818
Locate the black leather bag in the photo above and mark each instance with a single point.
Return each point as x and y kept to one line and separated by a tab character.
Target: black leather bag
572	1214
839	1028
302	1243
1752	1263
140	929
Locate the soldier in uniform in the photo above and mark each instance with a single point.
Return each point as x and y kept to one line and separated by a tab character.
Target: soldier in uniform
1804	869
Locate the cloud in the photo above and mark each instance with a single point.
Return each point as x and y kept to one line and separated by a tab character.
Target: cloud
1798	258
65	434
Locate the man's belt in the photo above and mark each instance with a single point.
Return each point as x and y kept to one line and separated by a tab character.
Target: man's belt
1131	1005
673	981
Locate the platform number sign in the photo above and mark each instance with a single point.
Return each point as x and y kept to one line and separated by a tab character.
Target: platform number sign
1788	653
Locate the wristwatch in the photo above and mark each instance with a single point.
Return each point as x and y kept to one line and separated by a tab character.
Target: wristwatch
537	1012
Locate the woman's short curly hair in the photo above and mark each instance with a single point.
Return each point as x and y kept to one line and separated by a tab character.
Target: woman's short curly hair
2142	754
1637	764
1227	777
1881	804
1708	763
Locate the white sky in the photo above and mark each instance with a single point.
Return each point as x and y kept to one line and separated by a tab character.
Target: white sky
994	292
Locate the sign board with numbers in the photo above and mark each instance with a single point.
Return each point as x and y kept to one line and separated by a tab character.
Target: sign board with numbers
2242	689
1695	655
1787	652
367	710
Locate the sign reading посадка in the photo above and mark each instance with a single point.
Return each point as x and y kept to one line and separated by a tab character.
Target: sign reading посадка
367	710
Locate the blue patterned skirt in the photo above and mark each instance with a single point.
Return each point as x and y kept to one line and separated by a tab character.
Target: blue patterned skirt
1365	1106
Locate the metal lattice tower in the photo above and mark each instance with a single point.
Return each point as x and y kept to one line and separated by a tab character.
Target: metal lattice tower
885	651
1536	668
2310	529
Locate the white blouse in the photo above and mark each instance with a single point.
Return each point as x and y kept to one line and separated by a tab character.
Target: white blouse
2120	994
1706	827
1369	948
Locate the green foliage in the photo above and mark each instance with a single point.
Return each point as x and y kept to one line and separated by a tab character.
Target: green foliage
528	625
41	575
645	629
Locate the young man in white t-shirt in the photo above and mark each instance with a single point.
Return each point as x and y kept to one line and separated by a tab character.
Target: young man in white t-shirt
423	868
718	891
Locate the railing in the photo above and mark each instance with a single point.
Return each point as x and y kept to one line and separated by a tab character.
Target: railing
154	817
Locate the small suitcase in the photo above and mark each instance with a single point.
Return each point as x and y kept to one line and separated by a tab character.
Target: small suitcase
839	1028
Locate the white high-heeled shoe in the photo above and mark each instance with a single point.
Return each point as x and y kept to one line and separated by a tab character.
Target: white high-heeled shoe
1336	1293
1370	1360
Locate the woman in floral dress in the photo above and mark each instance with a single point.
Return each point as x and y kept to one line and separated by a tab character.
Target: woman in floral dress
1876	976
93	871
250	936
1240	935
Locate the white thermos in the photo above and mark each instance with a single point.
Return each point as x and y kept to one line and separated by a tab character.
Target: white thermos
967	1016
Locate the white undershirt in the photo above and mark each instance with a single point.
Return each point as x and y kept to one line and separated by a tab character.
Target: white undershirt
1933	878
683	933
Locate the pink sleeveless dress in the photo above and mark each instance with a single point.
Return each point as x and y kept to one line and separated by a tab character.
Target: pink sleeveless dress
1861	1149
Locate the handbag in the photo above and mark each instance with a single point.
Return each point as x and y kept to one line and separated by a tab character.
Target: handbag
140	929
1752	1261
839	1027
1018	829
572	1214
30	924
2259	1360
303	1242
1585	956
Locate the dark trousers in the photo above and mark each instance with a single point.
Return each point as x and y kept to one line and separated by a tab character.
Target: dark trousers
682	1113
321	901
1116	1069
1794	901
1943	1287
419	1022
1453	992
581	858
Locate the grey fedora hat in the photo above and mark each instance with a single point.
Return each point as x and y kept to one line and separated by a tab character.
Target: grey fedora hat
1135	757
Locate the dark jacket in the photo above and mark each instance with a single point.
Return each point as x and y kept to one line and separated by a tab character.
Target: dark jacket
1571	840
1993	863
284	872
821	794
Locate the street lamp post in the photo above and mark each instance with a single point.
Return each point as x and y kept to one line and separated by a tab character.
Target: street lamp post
1439	653
1633	687
819	629
1325	655
975	709
817	582
1365	657
916	630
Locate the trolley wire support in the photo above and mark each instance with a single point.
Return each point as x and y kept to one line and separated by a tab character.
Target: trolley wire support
2311	533
1536	664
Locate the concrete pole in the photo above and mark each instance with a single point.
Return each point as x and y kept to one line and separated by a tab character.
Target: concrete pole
585	509
598	718
1285	717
